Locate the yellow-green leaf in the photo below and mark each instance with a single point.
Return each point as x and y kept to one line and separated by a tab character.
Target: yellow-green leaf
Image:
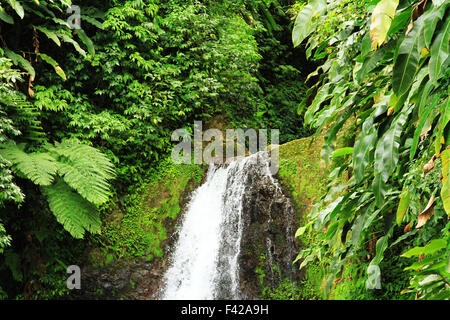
5	17
381	21
300	231
432	247
17	7
59	71
445	191
304	23
342	152
405	198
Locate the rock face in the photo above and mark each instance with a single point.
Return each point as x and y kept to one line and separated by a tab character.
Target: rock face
126	279
268	245
267	249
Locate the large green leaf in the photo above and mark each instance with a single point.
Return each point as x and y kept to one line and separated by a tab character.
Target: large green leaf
85	169
444	119
50	34
12	261
365	144
304	23
400	21
423	118
432	247
363	147
87	41
382	16
431	260
92	21
17	7
379	189
439	51
59	71
381	246
431	22
322	95
357	229
371	61
387	153
407	60
342	152
408	53
21	61
75	44
6	17
330	136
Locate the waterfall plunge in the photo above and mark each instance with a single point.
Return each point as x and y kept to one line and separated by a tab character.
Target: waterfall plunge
204	263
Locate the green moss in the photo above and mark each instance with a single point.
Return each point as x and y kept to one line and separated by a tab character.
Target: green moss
98	257
149	212
305	176
259	270
301	171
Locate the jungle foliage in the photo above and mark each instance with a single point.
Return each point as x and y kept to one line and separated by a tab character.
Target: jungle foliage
88	104
86	116
384	66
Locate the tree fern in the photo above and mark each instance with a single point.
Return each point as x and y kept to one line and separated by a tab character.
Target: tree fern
74	177
38	167
76	214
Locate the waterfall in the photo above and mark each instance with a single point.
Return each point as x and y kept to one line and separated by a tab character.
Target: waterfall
204	261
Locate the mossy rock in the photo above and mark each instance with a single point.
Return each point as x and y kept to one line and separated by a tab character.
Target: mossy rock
301	171
149	219
304	175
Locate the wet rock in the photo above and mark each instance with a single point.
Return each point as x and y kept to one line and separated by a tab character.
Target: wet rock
268	246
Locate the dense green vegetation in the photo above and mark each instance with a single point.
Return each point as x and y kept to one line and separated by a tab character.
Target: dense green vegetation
384	66
86	116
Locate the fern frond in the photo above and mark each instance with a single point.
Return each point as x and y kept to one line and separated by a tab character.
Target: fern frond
76	214
38	167
85	169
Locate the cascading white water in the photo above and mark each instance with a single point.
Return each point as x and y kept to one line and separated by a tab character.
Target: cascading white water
204	263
